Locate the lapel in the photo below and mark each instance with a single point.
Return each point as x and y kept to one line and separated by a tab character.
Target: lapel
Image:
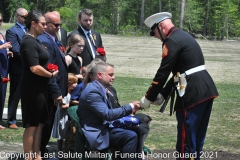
94	35
104	95
57	48
86	41
19	32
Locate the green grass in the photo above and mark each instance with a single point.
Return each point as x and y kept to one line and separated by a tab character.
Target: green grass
223	131
5	26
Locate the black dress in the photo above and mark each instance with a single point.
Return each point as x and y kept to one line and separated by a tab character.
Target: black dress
75	67
33	88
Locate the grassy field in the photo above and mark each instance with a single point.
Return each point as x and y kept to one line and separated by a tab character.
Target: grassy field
136	60
5	26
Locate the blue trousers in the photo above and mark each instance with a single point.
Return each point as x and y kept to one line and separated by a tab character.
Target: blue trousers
197	119
125	139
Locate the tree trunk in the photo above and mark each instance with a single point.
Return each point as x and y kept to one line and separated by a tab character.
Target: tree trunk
142	15
160	5
206	18
182	14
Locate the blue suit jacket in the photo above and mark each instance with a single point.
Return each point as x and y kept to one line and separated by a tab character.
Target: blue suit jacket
94	113
14	35
57	86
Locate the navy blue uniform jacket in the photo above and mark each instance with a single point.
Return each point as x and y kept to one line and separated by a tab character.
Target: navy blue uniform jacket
181	52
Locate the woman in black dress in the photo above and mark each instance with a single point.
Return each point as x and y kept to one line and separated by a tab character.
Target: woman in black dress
34	82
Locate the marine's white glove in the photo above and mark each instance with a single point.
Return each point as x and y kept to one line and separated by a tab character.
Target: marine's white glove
159	100
144	102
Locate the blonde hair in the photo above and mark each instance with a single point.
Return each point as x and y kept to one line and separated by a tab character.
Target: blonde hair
89	68
72	78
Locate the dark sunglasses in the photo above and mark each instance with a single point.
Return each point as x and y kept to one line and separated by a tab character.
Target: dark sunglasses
22	16
56	24
1	20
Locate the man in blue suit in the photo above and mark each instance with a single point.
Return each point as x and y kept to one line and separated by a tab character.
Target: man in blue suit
95	111
14	35
57	86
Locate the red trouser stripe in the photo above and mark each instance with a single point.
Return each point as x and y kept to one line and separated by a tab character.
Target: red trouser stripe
183	133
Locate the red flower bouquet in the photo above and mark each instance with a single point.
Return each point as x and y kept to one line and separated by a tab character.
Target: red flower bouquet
4	80
101	51
52	67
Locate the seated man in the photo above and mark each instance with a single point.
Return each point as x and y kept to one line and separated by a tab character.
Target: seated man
95	111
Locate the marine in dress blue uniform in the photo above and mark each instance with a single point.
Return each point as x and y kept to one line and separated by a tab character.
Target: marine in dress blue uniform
182	54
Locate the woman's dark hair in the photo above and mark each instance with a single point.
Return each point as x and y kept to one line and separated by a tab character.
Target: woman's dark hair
32	16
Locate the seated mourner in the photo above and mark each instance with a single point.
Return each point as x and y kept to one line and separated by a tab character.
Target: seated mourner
95	111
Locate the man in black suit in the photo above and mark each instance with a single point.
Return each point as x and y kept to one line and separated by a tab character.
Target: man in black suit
14	35
57	88
92	38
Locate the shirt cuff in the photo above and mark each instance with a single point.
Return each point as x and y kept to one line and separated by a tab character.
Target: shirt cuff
131	104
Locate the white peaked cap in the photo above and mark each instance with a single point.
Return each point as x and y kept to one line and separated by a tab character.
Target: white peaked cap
156	18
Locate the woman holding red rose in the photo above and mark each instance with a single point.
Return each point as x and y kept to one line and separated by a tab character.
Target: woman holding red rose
34	82
4	53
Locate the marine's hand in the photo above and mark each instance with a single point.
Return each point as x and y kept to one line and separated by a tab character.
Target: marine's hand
159	100
144	102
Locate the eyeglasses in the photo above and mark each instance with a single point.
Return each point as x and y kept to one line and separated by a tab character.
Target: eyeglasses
43	23
22	16
56	24
1	20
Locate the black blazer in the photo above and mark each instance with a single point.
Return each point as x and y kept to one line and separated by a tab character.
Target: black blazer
86	54
63	37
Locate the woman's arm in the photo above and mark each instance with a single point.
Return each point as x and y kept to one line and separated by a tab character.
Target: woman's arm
39	70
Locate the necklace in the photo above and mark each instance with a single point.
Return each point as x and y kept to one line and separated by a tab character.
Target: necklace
30	34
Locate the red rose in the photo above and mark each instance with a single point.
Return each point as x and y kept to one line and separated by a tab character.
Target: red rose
52	67
63	49
101	51
5	80
134	112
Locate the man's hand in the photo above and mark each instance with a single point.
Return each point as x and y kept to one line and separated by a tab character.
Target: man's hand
144	102
159	100
58	101
136	105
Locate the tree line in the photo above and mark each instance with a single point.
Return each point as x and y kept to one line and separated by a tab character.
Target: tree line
216	19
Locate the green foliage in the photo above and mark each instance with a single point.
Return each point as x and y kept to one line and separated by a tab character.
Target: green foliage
123	16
